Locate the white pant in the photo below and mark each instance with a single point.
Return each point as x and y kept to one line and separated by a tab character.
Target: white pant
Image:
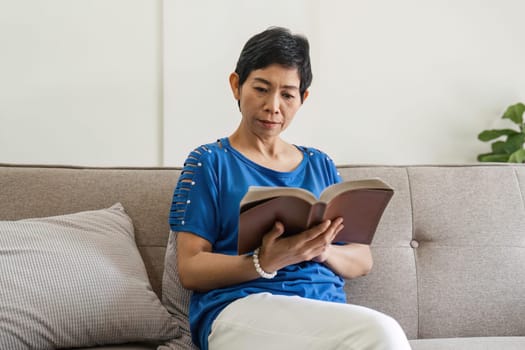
271	322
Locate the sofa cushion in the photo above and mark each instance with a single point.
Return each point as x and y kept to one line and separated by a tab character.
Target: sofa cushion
470	225
76	280
391	286
40	190
176	298
482	343
127	346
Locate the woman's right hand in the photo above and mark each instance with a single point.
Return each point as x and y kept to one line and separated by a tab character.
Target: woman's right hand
277	252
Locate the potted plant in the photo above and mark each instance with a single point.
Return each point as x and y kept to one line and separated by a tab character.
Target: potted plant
510	148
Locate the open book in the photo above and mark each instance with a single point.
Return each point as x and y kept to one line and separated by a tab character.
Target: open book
360	203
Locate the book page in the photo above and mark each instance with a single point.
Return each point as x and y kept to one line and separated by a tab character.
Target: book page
260	193
333	190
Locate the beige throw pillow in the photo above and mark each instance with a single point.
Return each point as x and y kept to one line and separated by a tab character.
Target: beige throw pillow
76	280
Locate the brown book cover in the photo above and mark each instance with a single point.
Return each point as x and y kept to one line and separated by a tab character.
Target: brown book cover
360	203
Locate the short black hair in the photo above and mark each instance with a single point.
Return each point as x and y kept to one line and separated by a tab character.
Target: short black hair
276	45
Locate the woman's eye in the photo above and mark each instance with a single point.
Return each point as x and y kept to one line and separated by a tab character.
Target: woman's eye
260	89
288	96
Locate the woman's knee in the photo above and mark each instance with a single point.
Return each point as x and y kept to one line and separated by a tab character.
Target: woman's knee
382	332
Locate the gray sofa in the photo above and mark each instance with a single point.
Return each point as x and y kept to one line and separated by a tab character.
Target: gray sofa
449	254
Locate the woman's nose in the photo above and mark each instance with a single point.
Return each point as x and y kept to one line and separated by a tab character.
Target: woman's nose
273	103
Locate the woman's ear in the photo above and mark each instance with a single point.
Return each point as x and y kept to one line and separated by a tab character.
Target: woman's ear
234	84
305	95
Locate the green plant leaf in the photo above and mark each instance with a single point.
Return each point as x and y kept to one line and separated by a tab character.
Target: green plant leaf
498	147
514	143
493	157
517	157
488	135
515	113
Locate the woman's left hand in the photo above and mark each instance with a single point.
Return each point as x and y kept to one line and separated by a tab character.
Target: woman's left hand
329	239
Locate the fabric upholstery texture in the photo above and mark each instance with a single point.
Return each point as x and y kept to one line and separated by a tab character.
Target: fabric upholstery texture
461	231
76	280
481	343
394	265
176	298
128	346
146	193
470	225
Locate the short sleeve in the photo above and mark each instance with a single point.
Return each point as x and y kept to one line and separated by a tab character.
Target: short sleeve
195	199
328	166
332	169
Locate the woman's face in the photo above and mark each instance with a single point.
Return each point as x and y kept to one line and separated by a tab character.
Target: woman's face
269	99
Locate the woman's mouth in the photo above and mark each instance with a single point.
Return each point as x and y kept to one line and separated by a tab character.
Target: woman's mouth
269	124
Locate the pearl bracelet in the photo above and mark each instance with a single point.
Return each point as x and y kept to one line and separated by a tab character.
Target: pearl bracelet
258	267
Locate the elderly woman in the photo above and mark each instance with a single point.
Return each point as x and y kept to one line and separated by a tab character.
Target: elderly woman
288	293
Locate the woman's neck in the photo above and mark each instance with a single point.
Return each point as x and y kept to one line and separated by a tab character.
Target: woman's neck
273	153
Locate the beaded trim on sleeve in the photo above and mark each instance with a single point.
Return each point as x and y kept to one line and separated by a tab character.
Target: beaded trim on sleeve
181	200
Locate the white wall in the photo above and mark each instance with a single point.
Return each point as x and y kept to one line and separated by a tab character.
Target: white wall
416	81
203	42
141	82
394	81
81	82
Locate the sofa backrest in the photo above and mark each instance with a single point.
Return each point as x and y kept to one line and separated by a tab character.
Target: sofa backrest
448	254
449	251
145	193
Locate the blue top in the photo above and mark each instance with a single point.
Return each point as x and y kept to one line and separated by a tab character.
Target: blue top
206	202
